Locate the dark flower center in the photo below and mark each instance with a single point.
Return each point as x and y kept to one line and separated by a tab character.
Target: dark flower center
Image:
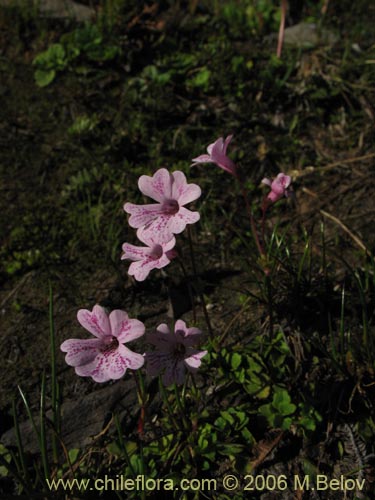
170	207
179	351
156	252
111	345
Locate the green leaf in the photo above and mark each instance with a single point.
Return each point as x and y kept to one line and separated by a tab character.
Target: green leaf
235	360
7	457
44	77
201	79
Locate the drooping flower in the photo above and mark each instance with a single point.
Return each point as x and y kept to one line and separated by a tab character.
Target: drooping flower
169	216
279	187
175	352
217	153
104	357
153	256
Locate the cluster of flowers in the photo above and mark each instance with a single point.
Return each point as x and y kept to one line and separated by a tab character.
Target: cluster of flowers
217	153
157	223
106	357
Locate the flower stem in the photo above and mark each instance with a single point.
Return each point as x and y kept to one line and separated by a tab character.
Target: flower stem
181	408
252	222
142	400
168	404
280	41
198	289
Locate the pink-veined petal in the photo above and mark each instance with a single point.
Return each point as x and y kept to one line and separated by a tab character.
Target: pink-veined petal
95	369
182	191
180	326
81	351
202	159
111	365
122	359
159	230
162	338
183	217
162	262
140	215
194	361
133	252
156	361
158	187
174	374
125	329
96	322
141	269
284	180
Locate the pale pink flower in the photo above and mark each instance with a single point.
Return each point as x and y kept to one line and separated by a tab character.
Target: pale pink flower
279	187
217	153
104	357
169	216
153	256
174	353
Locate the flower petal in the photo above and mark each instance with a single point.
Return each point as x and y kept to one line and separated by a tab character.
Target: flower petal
141	269
174	374
95	369
125	329
226	143
182	191
134	253
140	215
96	322
156	361
180	326
162	338
193	362
111	365
159	230
158	187
81	351
184	216
202	159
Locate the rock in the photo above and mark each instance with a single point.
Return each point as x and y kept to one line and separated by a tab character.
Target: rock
56	9
81	419
308	35
305	36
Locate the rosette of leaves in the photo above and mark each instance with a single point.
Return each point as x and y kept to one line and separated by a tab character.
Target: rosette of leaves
48	63
86	41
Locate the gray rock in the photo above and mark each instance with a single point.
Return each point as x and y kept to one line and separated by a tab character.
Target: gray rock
82	419
305	36
56	9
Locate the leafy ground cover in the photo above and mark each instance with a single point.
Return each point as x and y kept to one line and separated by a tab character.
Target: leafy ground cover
287	387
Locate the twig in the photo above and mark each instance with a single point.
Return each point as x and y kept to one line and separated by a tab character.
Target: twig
355	238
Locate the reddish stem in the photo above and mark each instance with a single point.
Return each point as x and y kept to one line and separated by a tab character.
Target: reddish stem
252	222
280	41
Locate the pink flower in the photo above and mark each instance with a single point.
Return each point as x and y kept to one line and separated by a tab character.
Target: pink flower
169	216
217	153
153	256
104	357
175	352
279	187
